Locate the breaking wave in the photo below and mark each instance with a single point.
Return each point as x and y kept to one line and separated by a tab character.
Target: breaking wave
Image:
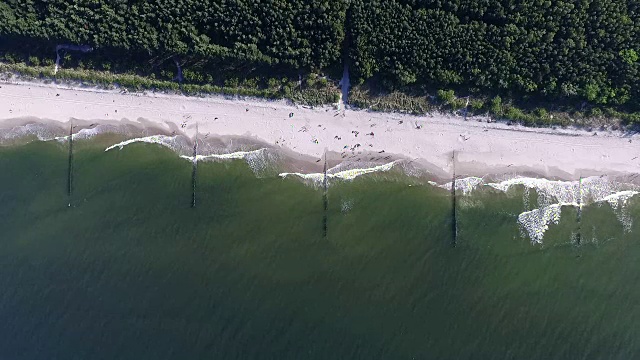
466	185
57	132
42	132
618	203
536	222
258	160
553	195
175	142
337	173
231	156
88	133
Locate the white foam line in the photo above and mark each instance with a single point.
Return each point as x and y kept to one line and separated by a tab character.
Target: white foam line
620	197
566	192
230	156
536	222
315	177
466	185
553	195
155	139
344	175
618	203
82	134
41	131
537	183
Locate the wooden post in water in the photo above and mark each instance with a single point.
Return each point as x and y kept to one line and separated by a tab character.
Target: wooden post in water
70	166
194	170
454	222
325	198
579	235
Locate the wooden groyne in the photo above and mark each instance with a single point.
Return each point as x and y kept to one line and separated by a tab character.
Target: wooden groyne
325	198
454	215
70	165
194	170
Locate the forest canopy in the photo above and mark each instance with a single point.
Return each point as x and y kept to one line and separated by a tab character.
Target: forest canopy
567	48
298	33
586	50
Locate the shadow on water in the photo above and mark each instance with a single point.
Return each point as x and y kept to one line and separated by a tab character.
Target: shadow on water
325	198
194	173
70	166
454	217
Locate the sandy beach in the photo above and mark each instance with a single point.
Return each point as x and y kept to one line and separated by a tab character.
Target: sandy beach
481	148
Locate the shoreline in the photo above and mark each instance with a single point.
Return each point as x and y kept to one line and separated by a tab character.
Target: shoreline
481	148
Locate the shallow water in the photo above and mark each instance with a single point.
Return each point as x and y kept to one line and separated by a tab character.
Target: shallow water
130	270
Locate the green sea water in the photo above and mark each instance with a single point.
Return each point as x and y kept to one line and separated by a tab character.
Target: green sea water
125	268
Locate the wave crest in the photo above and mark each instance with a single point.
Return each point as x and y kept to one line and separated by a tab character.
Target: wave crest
336	173
172	142
554	194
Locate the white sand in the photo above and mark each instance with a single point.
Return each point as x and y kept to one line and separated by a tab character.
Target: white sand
481	148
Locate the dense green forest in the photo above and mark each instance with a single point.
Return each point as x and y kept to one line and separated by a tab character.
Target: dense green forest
581	49
299	33
576	53
253	47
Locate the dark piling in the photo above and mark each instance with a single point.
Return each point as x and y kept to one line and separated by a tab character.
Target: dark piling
325	199
454	215
579	220
194	170
70	165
